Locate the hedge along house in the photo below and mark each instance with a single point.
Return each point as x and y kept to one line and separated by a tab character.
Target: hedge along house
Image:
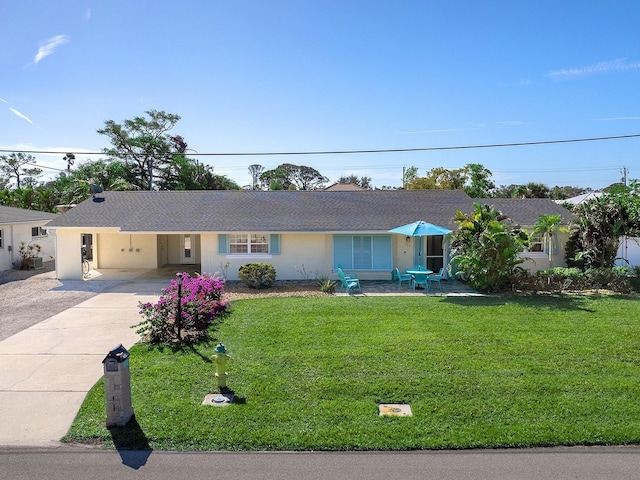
219	231
19	225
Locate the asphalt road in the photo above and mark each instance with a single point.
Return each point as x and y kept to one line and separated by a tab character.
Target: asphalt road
67	463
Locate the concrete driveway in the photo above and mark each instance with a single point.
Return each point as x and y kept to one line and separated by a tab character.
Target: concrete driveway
47	369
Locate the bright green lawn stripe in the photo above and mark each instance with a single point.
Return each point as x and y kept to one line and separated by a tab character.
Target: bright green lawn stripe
478	372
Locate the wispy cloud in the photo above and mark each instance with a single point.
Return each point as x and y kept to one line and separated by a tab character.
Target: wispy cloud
442	130
3	100
50	46
614	119
511	123
619	65
21	115
87	14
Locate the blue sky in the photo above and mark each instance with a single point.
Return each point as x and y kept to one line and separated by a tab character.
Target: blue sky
292	76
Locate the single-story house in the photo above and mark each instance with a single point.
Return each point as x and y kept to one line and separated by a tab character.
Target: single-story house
18	225
301	233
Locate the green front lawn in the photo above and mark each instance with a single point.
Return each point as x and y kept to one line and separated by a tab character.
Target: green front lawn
309	373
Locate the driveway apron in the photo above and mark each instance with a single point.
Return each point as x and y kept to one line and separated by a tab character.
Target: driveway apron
47	369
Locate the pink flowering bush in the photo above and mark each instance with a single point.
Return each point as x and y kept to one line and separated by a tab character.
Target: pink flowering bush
184	313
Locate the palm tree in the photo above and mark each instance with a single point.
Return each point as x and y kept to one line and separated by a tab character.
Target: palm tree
547	226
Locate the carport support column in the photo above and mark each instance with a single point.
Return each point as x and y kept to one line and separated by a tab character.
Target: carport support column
68	254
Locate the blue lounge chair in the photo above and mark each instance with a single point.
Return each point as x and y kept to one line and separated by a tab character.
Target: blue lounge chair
401	277
348	283
347	274
437	278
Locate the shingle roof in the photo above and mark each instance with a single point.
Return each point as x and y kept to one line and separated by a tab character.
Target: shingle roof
279	211
21	215
525	211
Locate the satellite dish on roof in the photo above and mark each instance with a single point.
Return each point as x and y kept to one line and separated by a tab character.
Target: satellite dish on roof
95	189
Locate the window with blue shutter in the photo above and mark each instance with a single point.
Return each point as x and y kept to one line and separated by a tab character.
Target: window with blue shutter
250	244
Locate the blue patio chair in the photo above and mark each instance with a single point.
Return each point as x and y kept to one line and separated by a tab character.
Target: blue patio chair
350	274
401	277
420	279
348	283
437	278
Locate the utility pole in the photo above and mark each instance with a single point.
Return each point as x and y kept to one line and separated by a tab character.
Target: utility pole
624	175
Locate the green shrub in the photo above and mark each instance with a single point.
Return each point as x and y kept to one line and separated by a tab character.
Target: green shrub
609	278
561	278
326	284
623	270
257	275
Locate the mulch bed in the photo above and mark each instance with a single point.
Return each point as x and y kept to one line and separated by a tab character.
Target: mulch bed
237	290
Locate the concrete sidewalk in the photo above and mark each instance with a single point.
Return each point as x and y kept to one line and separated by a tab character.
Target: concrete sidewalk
47	369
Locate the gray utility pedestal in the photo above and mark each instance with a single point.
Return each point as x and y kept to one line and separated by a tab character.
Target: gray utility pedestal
117	387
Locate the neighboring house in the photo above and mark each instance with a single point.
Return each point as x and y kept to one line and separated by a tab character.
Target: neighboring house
343	187
19	225
223	230
525	212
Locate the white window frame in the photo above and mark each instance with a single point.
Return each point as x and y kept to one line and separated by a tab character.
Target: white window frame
537	243
249	244
1	238
40	232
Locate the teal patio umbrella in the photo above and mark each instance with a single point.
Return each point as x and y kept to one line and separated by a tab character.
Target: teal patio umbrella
420	229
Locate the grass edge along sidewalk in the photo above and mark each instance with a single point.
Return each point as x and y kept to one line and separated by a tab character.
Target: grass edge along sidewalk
309	373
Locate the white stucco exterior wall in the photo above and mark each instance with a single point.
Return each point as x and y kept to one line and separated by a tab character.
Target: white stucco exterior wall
120	250
68	254
15	233
314	251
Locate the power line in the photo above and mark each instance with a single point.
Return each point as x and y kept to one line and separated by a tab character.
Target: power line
349	152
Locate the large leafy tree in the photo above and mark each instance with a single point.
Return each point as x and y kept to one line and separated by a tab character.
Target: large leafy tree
474	179
73	187
480	184
485	247
144	145
276	179
600	224
19	166
287	176
440	178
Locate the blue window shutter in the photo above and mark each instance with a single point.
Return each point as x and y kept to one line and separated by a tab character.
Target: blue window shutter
222	243
274	244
